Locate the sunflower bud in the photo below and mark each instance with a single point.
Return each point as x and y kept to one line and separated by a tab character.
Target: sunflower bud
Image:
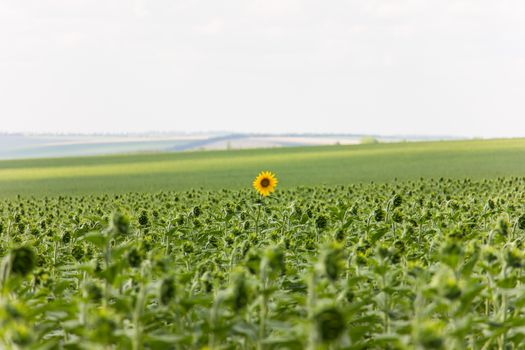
339	235
196	211
383	251
428	335
66	238
502	227
143	219
321	222
514	258
309	213
187	247
397	200
134	258
239	290
379	214
229	239
415	269
21	335
207	282
521	222
451	253
330	324
397	217
332	261
78	252
23	261
450	289
274	259
120	224
92	292
253	261
167	290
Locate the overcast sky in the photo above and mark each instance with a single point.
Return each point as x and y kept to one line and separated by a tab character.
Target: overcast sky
429	67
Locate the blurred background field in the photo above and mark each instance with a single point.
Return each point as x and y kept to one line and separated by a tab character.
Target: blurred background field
295	166
22	145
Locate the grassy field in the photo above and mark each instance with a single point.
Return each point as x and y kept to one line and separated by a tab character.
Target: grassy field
236	169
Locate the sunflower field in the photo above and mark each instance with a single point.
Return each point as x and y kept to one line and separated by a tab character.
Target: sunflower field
426	264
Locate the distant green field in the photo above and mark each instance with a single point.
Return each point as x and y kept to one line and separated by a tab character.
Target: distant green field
235	169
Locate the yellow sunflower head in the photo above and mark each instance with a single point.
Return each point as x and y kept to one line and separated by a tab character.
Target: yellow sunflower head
265	183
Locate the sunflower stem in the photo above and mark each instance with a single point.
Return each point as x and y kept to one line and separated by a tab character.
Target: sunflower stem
257	220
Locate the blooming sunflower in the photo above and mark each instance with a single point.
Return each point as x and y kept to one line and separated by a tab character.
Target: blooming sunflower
265	183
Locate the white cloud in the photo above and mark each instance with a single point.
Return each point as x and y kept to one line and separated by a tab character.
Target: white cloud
139	8
379	66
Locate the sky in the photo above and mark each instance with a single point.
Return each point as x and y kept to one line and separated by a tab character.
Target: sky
391	67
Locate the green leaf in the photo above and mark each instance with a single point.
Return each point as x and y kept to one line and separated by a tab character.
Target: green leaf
97	238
